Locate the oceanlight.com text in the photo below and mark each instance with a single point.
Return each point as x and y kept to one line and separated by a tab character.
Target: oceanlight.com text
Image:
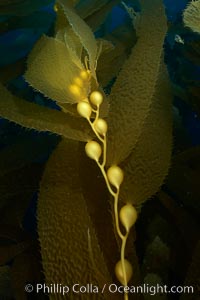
111	288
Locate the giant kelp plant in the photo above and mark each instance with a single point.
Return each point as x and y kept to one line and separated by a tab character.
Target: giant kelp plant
119	116
64	69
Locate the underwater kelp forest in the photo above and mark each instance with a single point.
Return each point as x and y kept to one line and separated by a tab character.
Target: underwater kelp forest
100	149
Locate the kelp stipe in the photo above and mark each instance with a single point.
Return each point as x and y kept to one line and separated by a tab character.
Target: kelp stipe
113	178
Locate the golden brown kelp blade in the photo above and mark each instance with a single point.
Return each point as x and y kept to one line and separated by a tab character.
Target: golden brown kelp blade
191	16
72	42
53	67
65	229
148	164
93	12
50	69
109	62
119	44
85	34
41	118
21	7
132	93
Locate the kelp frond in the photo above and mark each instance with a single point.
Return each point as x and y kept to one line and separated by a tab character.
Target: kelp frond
139	139
64	68
85	34
57	71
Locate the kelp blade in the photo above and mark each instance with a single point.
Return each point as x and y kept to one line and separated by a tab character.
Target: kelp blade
149	162
41	118
51	69
132	93
64	224
85	34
